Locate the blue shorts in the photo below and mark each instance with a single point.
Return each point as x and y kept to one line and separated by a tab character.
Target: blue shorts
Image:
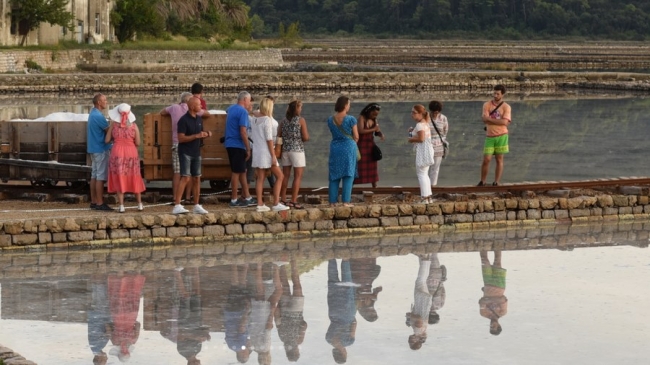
99	165
190	165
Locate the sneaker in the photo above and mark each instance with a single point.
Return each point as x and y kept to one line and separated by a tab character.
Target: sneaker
251	202
280	207
263	208
104	207
121	209
238	204
178	209
480	183
93	206
198	209
140	207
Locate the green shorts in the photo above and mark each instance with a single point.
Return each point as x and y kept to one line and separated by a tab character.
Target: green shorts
494	276
496	145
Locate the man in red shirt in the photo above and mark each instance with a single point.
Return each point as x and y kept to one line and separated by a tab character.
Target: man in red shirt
496	117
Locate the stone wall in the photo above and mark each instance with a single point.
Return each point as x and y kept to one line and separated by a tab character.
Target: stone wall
358	220
314	82
13	61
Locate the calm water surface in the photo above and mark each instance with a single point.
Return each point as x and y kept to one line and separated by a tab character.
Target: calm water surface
562	139
580	306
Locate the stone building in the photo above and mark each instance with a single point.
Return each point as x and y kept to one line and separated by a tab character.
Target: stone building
91	25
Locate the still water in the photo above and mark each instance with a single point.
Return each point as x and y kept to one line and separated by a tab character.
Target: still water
572	295
550	139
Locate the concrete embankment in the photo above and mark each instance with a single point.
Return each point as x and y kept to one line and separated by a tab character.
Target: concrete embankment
464	214
343	82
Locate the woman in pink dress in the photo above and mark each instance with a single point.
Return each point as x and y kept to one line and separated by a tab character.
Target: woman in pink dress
124	164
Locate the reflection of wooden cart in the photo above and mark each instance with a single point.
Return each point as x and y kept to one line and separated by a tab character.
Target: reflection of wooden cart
44	152
157	145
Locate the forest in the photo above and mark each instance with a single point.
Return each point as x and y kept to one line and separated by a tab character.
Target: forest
511	19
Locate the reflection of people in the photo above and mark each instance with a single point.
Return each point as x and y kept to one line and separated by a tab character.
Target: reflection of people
124	164
435	284
421	305
368	129
496	117
124	293
191	331
343	152
288	317
263	306
364	272
236	314
99	319
494	304
341	309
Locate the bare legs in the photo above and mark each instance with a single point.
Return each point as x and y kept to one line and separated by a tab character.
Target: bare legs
485	168
295	185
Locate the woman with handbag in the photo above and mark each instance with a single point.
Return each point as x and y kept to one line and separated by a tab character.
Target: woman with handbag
368	129
344	152
292	135
439	129
420	136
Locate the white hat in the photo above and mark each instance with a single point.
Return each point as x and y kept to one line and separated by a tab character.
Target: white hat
116	113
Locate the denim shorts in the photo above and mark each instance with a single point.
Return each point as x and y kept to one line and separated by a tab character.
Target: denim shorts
99	165
190	165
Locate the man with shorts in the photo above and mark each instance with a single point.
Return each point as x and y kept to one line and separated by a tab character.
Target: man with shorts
496	117
494	304
99	152
239	149
176	111
190	134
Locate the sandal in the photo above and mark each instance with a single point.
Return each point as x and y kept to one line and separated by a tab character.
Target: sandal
295	205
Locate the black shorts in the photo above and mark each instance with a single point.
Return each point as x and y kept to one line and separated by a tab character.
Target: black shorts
237	157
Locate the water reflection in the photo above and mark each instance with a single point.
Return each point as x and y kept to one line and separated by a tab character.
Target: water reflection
339	300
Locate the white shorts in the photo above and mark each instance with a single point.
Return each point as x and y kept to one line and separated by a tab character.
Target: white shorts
295	159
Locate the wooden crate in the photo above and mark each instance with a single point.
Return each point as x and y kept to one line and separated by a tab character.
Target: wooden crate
157	149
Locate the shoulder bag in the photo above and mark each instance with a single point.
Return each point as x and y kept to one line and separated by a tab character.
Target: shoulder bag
340	127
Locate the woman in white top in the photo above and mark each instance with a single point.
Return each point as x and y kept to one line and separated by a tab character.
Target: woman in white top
264	156
439	121
420	136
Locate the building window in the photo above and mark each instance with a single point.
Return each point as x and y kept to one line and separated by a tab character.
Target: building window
14	25
98	27
18	27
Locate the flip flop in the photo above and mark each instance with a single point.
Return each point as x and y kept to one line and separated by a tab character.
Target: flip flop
295	205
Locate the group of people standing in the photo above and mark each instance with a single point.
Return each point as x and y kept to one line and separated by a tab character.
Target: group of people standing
255	140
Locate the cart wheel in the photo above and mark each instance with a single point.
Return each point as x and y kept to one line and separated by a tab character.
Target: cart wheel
36	183
76	184
220	184
51	183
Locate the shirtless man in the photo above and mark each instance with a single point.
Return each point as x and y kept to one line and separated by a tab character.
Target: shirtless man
496	117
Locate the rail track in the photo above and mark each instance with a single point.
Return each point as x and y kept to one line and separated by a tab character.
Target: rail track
18	190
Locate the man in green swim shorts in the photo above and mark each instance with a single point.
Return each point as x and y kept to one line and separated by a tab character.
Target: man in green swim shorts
496	117
494	304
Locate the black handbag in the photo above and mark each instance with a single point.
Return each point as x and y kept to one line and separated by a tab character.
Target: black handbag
376	153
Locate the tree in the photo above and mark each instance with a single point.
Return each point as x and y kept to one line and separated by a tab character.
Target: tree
132	16
30	14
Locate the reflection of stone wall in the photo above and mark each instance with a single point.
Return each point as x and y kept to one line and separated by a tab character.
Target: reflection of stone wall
382	231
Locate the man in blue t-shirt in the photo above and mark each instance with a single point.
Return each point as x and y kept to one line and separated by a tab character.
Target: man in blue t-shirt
239	149
99	152
190	134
